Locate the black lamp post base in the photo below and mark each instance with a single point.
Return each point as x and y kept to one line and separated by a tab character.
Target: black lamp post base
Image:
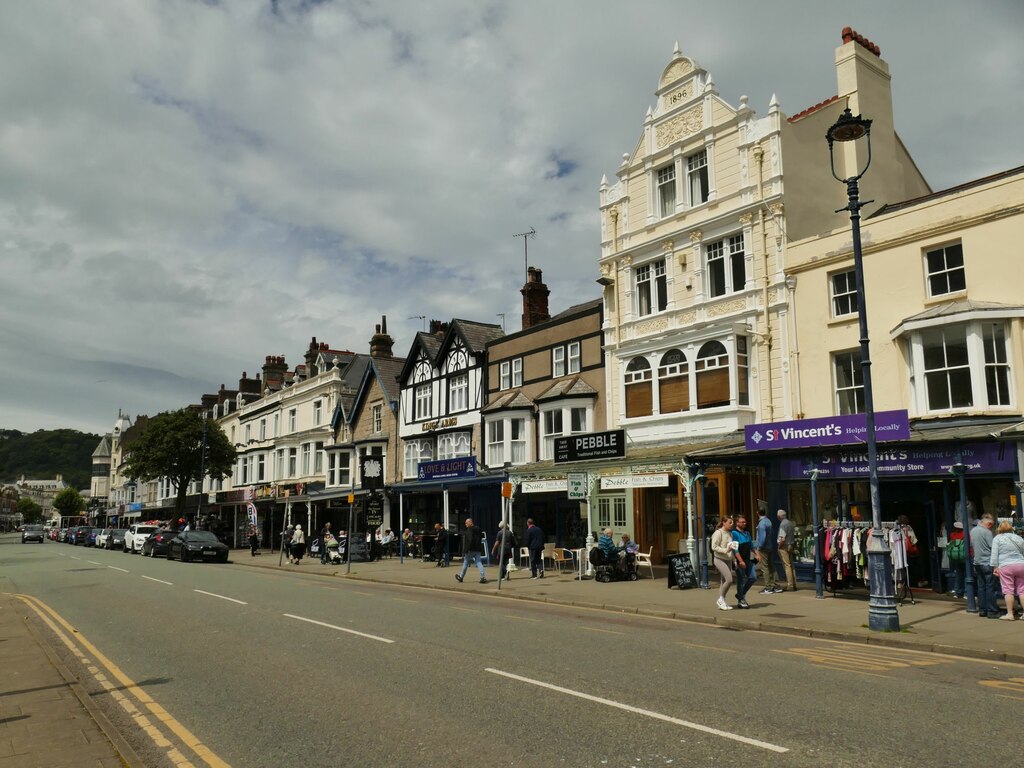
882	613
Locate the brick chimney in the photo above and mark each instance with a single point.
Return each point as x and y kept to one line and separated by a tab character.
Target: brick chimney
274	369
250	386
380	343
310	359
535	299
438	328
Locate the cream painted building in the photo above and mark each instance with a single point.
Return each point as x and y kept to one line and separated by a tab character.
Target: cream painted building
946	329
695	232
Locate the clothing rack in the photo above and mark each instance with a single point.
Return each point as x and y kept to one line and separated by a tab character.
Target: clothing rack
857	525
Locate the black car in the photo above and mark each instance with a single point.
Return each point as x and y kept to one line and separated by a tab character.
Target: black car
156	544
115	539
197	545
79	534
32	533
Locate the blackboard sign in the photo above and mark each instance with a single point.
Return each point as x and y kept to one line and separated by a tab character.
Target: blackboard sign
374	511
680	572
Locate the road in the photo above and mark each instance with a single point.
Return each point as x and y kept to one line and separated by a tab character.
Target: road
268	668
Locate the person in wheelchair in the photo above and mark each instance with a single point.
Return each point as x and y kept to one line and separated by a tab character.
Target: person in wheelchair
616	563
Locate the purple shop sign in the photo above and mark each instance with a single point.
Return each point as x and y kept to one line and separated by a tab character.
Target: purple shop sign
931	460
830	430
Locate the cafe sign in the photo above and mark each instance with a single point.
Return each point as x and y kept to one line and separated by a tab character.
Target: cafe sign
544	486
611	482
593	445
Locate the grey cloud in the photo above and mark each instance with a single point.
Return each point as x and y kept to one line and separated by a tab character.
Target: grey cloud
189	187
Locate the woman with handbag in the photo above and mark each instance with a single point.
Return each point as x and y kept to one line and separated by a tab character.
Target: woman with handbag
723	550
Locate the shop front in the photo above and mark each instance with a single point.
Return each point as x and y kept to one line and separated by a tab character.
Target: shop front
917	479
647	492
448	491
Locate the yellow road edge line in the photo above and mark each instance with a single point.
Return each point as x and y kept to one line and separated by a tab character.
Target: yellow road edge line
188	738
140	720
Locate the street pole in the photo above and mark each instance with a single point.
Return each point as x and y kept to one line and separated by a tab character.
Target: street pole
702	554
202	470
348	534
960	470
819	587
882	613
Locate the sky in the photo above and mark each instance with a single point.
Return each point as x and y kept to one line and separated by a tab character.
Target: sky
187	187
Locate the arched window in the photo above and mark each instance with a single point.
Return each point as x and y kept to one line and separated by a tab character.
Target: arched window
674	382
712	368
638	388
423	369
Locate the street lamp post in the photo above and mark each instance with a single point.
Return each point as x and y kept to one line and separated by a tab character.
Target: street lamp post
819	591
882	613
202	470
970	592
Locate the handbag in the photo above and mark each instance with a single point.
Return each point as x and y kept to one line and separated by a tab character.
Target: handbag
910	546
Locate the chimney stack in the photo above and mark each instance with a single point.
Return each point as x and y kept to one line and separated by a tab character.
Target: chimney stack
380	343
249	386
438	328
311	355
274	369
535	299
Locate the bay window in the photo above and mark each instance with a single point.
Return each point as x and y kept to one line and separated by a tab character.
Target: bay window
960	366
415	452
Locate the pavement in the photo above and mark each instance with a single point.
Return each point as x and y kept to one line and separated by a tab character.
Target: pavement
936	623
46	718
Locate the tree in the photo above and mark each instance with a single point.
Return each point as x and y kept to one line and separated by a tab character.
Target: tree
69	503
30	511
172	447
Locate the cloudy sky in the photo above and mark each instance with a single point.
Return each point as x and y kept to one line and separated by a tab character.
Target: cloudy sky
187	187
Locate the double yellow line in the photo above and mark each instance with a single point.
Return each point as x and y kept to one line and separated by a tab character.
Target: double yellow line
99	666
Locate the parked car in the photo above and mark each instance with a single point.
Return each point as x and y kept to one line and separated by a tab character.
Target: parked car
79	534
115	539
136	535
90	540
197	545
52	533
32	533
156	543
62	534
101	537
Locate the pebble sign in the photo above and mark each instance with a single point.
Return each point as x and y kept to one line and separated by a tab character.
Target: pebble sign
593	445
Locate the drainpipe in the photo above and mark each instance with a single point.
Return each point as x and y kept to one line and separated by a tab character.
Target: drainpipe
795	350
766	334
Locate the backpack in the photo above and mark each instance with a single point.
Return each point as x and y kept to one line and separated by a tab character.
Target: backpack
956	551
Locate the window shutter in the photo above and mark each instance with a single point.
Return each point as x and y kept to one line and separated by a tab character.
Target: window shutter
639	401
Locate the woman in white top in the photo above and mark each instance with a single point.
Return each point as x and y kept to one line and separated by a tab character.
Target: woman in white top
298	545
724	551
1007	563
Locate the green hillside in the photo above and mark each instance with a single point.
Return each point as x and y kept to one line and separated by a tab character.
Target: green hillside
47	453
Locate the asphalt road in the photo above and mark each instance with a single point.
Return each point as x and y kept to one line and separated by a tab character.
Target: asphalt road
267	668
